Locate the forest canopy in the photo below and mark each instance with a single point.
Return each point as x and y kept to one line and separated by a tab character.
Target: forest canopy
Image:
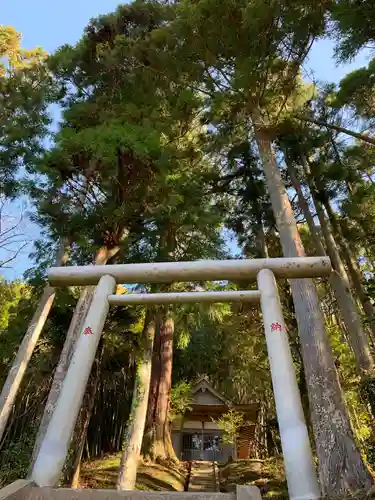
189	131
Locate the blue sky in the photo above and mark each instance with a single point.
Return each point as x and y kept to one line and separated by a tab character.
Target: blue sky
50	24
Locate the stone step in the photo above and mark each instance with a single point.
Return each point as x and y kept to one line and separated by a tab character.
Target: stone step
202	477
26	490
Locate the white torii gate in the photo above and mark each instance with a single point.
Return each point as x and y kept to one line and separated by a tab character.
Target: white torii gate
298	460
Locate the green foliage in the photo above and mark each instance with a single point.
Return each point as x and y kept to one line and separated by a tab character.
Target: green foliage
354	26
247	199
367	389
357	90
10	295
24	88
229	348
12	56
229	423
181	399
15	459
154	157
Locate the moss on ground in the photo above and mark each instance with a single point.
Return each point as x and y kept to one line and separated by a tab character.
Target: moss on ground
102	474
268	475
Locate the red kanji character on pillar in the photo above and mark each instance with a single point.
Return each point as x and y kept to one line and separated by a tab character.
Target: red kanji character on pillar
275	326
88	331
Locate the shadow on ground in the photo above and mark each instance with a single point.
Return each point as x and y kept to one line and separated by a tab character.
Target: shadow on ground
102	474
268	475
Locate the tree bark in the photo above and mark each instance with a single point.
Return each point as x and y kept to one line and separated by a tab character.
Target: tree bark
261	241
157	440
129	461
305	209
341	468
354	272
148	436
162	424
25	351
338	280
358	337
79	315
352	266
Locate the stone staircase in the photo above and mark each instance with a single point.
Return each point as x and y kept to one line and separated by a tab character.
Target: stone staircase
203	477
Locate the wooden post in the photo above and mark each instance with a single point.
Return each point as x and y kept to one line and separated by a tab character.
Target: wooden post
202	441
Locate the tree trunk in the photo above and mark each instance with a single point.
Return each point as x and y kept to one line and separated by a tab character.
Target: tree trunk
354	272
341	468
25	351
261	242
79	315
136	425
305	209
157	440
148	436
162	424
260	433
338	280
358	338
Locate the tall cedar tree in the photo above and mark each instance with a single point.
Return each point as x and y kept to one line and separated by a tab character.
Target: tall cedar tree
256	81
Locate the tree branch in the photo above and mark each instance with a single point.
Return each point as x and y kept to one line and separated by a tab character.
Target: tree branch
362	137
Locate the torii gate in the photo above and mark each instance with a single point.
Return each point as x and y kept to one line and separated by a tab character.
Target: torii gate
298	460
